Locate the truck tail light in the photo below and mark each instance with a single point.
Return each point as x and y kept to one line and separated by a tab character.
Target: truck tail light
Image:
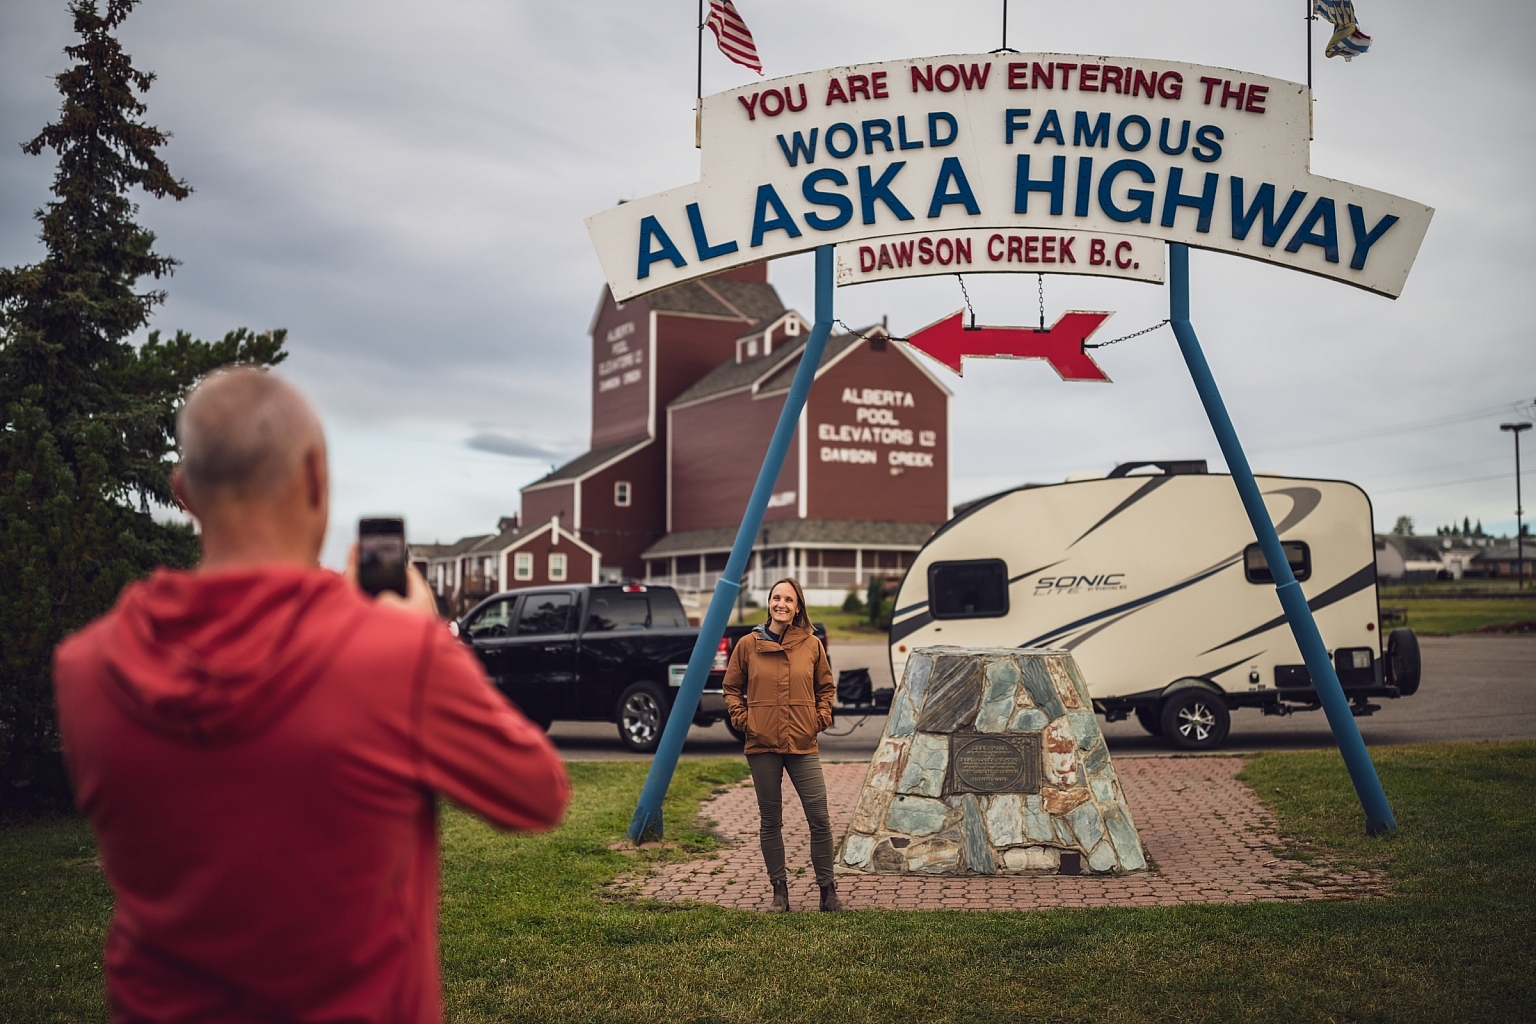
722	655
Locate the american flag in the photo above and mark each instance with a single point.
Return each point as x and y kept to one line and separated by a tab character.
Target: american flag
732	35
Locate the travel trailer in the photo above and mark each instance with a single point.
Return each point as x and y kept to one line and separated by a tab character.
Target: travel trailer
1152	578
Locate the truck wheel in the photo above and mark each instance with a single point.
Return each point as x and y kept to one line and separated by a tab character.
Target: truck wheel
741	737
1195	719
1403	665
1150	720
642	715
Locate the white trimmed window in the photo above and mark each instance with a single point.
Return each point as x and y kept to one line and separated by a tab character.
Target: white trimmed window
522	565
557	567
621	493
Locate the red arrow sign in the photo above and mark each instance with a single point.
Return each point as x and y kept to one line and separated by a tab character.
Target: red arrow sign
1062	346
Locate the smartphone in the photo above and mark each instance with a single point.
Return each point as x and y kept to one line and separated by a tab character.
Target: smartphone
381	555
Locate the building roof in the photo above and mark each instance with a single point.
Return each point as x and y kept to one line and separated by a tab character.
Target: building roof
767	372
433	552
590	462
749	301
733	376
481	545
500	541
1414	548
799	532
774	372
511	538
429	551
1503	548
781	378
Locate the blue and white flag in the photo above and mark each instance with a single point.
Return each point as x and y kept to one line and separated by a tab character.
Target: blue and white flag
1347	40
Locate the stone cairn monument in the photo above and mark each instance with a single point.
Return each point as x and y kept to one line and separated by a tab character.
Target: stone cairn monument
991	763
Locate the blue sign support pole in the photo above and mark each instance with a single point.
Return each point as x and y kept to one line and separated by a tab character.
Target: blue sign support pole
1378	813
647	823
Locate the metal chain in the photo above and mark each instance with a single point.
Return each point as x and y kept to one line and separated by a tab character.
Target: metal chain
865	337
967	296
1126	337
1041	284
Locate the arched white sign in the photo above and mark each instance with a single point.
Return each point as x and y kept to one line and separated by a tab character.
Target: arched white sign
1043	144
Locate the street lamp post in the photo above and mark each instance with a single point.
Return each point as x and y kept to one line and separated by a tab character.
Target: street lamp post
1516	428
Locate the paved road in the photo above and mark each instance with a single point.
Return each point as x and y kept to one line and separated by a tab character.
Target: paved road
1475	688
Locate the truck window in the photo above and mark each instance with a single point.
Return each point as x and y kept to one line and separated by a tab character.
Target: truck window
544	613
972	589
611	610
1256	567
491	622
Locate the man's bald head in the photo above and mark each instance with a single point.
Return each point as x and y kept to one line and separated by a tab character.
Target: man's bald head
242	433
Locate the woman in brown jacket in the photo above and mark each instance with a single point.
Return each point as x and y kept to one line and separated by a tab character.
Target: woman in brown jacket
779	689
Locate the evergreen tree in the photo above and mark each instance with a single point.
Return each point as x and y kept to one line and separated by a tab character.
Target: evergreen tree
879	606
86	417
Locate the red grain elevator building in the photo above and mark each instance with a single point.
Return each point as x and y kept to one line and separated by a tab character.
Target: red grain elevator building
687	385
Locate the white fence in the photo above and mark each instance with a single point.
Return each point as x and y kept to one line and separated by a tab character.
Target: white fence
840	578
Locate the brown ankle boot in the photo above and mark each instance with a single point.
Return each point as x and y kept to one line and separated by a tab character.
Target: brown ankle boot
829	900
780	903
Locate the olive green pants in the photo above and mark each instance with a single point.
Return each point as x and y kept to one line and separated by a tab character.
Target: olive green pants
811	786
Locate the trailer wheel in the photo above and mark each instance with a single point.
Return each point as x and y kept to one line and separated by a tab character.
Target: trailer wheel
1403	665
1195	719
1150	720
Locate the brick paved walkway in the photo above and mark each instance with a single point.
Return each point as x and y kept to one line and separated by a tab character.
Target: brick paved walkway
1208	837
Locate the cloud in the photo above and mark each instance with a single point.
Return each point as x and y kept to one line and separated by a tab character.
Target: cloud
501	444
403	187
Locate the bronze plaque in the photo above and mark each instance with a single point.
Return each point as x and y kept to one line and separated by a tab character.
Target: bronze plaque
994	764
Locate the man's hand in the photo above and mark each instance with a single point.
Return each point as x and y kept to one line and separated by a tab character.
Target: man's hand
418	596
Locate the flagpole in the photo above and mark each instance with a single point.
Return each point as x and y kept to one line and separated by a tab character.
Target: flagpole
1005	48
1311	17
698	88
1309	44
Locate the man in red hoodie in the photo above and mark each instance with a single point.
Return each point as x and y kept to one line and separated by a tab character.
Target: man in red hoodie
260	747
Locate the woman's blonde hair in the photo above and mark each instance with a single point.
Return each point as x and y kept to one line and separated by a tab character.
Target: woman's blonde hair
801	619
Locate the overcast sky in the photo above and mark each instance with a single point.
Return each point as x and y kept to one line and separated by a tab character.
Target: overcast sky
402	186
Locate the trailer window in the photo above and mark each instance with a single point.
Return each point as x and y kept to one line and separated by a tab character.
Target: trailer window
973	589
1296	552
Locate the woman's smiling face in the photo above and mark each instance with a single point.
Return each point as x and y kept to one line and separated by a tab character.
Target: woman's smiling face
782	605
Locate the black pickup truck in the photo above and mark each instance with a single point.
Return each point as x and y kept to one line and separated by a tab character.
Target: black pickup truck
592	653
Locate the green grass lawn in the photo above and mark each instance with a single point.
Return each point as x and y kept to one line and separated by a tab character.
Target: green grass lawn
848	626
529	934
1430	616
841	626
